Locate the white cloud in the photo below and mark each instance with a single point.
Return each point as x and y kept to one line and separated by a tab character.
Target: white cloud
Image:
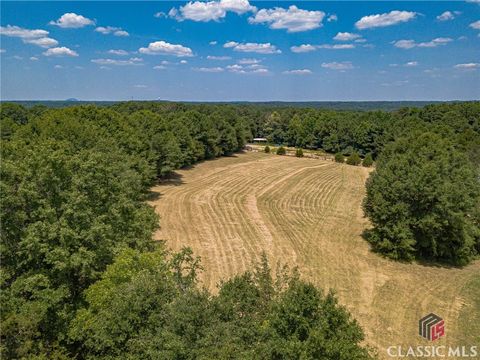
265	48
44	42
230	44
165	48
60	51
249	68
336	46
292	19
467	66
209	69
218	58
160	67
72	21
183	62
235	68
410	44
447	15
160	14
17	57
36	37
106	30
131	61
345	65
16	31
387	19
411	64
346	36
246	61
121	33
332	17
308	47
2	51
259	71
298	72
475	25
212	43
58	67
303	48
118	52
210	10
237	6
33	58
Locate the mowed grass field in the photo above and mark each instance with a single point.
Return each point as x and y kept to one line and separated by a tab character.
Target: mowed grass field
307	213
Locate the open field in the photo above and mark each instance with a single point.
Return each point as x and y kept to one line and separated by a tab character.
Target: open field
307	212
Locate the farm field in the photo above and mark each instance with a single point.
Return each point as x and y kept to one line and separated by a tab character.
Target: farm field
307	212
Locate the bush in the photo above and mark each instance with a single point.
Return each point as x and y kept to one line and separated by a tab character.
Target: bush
368	161
339	158
281	151
423	201
267	149
354	159
299	153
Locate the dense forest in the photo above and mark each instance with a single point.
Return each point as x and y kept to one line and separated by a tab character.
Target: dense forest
81	276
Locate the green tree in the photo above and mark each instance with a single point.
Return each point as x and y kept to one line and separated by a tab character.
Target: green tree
423	201
339	158
148	306
281	150
368	160
354	159
299	152
267	149
168	153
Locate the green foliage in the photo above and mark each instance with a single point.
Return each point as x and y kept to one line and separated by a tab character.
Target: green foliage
423	201
267	149
299	152
368	160
339	158
281	150
147	306
354	159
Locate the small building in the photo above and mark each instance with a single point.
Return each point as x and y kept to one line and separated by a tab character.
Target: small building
259	140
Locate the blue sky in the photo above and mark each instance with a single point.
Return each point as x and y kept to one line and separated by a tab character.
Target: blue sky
227	50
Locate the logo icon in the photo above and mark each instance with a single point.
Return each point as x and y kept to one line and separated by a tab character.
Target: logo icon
431	327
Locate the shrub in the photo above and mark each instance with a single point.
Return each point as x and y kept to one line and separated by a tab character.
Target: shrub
368	161
281	151
339	158
354	159
267	149
299	153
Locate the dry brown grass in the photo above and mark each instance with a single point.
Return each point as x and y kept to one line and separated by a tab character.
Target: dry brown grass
307	212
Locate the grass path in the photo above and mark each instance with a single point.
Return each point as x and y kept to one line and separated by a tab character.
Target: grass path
307	212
